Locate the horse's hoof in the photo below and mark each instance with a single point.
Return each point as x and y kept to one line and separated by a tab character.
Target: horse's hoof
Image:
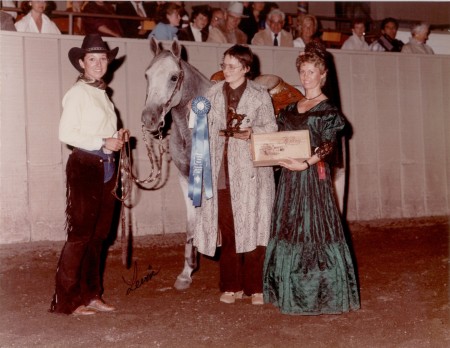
182	284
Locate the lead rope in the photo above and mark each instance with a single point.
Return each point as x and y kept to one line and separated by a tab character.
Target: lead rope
123	191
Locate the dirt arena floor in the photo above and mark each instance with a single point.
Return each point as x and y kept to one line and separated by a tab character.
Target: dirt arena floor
403	269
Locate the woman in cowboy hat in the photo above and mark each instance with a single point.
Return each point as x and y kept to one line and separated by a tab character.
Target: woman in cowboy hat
89	126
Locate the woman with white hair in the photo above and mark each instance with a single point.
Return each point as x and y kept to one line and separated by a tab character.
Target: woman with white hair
307	30
417	43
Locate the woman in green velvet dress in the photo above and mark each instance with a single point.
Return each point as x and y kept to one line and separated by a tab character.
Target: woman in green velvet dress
308	268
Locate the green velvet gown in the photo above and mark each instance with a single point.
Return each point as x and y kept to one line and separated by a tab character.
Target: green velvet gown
308	268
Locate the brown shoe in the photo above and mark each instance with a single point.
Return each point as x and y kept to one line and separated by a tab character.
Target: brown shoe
100	306
83	310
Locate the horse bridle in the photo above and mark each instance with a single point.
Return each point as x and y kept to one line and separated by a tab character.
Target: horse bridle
175	91
125	163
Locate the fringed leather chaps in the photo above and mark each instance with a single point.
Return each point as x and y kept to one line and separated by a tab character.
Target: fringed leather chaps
89	213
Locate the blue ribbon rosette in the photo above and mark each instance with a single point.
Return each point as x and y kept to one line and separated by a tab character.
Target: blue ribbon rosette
200	174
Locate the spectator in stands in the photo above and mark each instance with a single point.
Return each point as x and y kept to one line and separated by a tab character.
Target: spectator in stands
133	28
274	34
357	41
198	28
417	43
36	21
307	29
169	20
217	18
101	26
254	22
6	21
387	41
229	31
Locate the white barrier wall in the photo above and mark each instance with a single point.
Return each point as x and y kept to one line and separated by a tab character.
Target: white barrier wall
398	106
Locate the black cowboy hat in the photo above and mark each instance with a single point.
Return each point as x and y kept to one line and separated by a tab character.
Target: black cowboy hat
92	43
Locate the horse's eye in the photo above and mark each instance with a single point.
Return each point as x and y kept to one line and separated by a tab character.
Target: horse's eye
174	78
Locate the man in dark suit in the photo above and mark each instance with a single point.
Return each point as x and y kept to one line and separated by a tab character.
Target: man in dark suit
134	28
198	27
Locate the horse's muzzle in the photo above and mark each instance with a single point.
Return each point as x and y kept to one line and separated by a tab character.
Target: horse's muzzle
151	120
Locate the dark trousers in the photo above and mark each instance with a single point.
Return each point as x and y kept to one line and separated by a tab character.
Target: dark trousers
89	211
238	271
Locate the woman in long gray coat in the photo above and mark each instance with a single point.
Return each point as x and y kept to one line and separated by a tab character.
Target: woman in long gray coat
243	197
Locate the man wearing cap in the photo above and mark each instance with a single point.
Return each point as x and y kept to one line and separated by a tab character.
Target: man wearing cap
229	31
89	126
274	34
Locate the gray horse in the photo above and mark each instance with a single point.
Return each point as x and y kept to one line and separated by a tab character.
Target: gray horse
171	85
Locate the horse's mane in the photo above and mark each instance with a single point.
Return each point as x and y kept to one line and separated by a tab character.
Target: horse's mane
192	69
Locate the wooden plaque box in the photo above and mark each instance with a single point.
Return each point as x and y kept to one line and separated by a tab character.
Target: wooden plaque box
268	148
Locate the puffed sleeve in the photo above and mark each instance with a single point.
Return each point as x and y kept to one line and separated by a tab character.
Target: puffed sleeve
329	125
332	123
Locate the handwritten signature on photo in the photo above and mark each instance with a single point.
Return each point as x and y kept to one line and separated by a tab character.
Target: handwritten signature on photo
136	283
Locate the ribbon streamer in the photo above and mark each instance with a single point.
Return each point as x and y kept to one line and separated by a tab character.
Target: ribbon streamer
200	167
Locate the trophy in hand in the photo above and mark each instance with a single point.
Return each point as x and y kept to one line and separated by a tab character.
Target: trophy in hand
234	123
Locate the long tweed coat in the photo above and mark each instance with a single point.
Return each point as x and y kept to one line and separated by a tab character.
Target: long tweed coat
252	189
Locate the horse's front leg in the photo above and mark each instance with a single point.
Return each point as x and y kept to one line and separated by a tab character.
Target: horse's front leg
184	279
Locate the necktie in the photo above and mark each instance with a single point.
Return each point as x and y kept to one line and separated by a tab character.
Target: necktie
275	40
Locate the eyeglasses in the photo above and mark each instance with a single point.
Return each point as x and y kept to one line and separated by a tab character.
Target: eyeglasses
230	67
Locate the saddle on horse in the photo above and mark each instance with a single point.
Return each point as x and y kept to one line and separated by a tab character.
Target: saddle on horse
281	92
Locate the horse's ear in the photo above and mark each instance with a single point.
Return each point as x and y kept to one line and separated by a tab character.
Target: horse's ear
154	46
176	48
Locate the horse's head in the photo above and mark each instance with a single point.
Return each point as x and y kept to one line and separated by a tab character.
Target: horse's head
164	84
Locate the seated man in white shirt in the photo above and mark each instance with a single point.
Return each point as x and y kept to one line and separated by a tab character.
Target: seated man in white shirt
356	42
198	27
274	34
